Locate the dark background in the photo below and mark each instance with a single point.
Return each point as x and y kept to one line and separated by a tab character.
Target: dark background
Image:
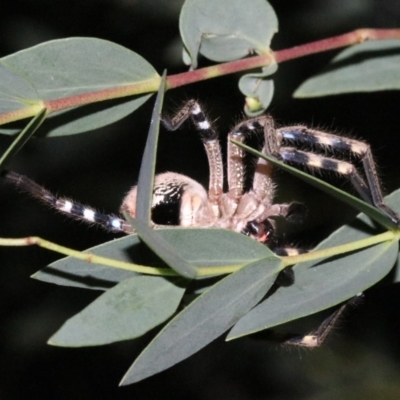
361	358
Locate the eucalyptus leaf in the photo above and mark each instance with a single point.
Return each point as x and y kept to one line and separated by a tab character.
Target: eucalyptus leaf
70	271
127	311
70	67
257	87
393	200
367	67
226	30
15	91
322	284
205	319
22	138
320	287
167	252
148	165
196	246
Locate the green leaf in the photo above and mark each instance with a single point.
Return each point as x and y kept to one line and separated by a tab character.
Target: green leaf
226	30
205	319
167	252
70	67
22	138
367	67
393	200
196	246
70	271
15	91
148	166
256	87
373	212
127	311
322	284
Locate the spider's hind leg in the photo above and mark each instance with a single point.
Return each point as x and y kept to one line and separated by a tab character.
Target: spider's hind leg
317	337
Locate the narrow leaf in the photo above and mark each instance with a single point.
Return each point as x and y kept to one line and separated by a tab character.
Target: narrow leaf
205	319
367	67
322	284
393	200
22	138
148	166
163	249
295	301
70	271
196	246
127	311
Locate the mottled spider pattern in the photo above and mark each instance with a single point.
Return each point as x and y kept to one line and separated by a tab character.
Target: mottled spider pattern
179	200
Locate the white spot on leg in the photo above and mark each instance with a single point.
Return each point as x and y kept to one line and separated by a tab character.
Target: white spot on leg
344	168
196	110
314	161
67	206
116	223
325	141
88	214
204	125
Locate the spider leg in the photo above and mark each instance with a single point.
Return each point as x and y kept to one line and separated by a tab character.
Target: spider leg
263	191
67	206
371	192
211	144
316	338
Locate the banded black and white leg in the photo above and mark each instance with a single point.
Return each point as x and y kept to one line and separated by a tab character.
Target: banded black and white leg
210	139
250	211
67	206
281	143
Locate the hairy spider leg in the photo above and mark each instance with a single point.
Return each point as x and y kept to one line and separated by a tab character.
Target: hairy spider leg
371	192
67	206
209	137
263	190
317	337
254	207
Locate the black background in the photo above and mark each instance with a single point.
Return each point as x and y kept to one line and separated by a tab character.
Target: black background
360	360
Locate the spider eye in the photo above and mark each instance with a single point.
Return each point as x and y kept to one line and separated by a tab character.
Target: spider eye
260	231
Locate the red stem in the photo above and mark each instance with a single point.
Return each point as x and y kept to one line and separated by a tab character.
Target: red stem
186	78
319	46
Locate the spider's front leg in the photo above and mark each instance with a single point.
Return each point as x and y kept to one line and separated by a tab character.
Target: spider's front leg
370	190
209	137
